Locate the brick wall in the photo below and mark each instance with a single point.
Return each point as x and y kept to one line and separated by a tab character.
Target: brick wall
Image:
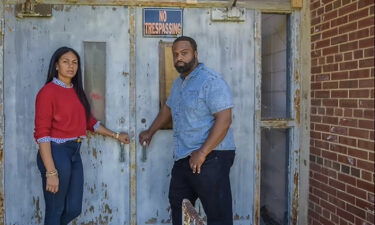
342	112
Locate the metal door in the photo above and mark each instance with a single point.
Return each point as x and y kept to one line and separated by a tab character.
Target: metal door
30	43
134	191
229	48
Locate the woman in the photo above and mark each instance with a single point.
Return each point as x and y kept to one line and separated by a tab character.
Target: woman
62	116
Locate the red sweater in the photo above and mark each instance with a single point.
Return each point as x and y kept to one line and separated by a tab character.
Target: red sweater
60	114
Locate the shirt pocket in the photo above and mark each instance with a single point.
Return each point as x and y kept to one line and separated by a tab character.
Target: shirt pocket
191	100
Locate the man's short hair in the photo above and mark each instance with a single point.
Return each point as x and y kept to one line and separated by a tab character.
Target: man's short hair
189	39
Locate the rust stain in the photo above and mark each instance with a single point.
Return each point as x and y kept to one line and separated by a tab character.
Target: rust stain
295	200
297	105
37	212
58	7
152	221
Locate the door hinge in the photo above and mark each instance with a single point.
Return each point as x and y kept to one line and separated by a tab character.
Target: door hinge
30	8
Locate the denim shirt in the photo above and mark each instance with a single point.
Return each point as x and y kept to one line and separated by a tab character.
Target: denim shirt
193	101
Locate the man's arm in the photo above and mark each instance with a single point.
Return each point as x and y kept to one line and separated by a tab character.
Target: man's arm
223	119
162	118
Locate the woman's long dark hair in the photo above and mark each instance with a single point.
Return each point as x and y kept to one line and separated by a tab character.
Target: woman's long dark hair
77	79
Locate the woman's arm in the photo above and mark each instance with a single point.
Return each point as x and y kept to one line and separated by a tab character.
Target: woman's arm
52	182
121	136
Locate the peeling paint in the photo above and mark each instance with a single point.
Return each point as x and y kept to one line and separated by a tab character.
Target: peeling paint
297	106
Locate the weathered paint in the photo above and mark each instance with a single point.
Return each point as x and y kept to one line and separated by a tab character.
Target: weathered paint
190	215
266	5
1	112
30	44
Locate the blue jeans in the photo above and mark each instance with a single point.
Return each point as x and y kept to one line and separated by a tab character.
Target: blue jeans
65	205
211	186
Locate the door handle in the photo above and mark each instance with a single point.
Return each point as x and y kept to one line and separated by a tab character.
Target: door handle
144	152
122	152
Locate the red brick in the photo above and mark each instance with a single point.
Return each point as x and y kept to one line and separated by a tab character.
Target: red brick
329	111
358	34
368	42
358	54
316	69
346	103
347	27
317	119
322	127
370	114
349	84
348	56
366	22
344	214
339	21
366	124
346	197
316	86
359	93
363	204
315	21
339	39
321	144
366	145
322	44
349	46
322	77
330	59
358	14
356	211
357	153
338	111
365	186
339	130
316	102
368	83
366	63
348	112
348	122
356	192
330	15
330	102
349	65
314	5
337	184
348	141
339	94
341	75
331	50
330	120
364	3
329	155
358	113
348	8
359	133
330	67
328	206
338	58
362	73
322	94
366	176
369	52
330	33
369	166
366	104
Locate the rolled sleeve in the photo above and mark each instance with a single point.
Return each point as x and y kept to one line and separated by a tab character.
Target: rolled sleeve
92	124
218	96
43	115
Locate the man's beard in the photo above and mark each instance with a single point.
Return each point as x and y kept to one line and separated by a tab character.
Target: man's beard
186	67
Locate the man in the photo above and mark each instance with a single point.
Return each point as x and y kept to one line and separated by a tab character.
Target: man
200	106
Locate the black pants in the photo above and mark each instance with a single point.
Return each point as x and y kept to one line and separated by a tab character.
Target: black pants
211	186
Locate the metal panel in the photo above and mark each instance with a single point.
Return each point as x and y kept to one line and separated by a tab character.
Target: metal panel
219	49
30	44
1	112
95	74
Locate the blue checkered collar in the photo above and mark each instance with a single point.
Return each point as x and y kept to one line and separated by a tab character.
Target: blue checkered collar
60	83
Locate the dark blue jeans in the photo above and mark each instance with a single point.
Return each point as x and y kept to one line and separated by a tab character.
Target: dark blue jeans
65	205
211	186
